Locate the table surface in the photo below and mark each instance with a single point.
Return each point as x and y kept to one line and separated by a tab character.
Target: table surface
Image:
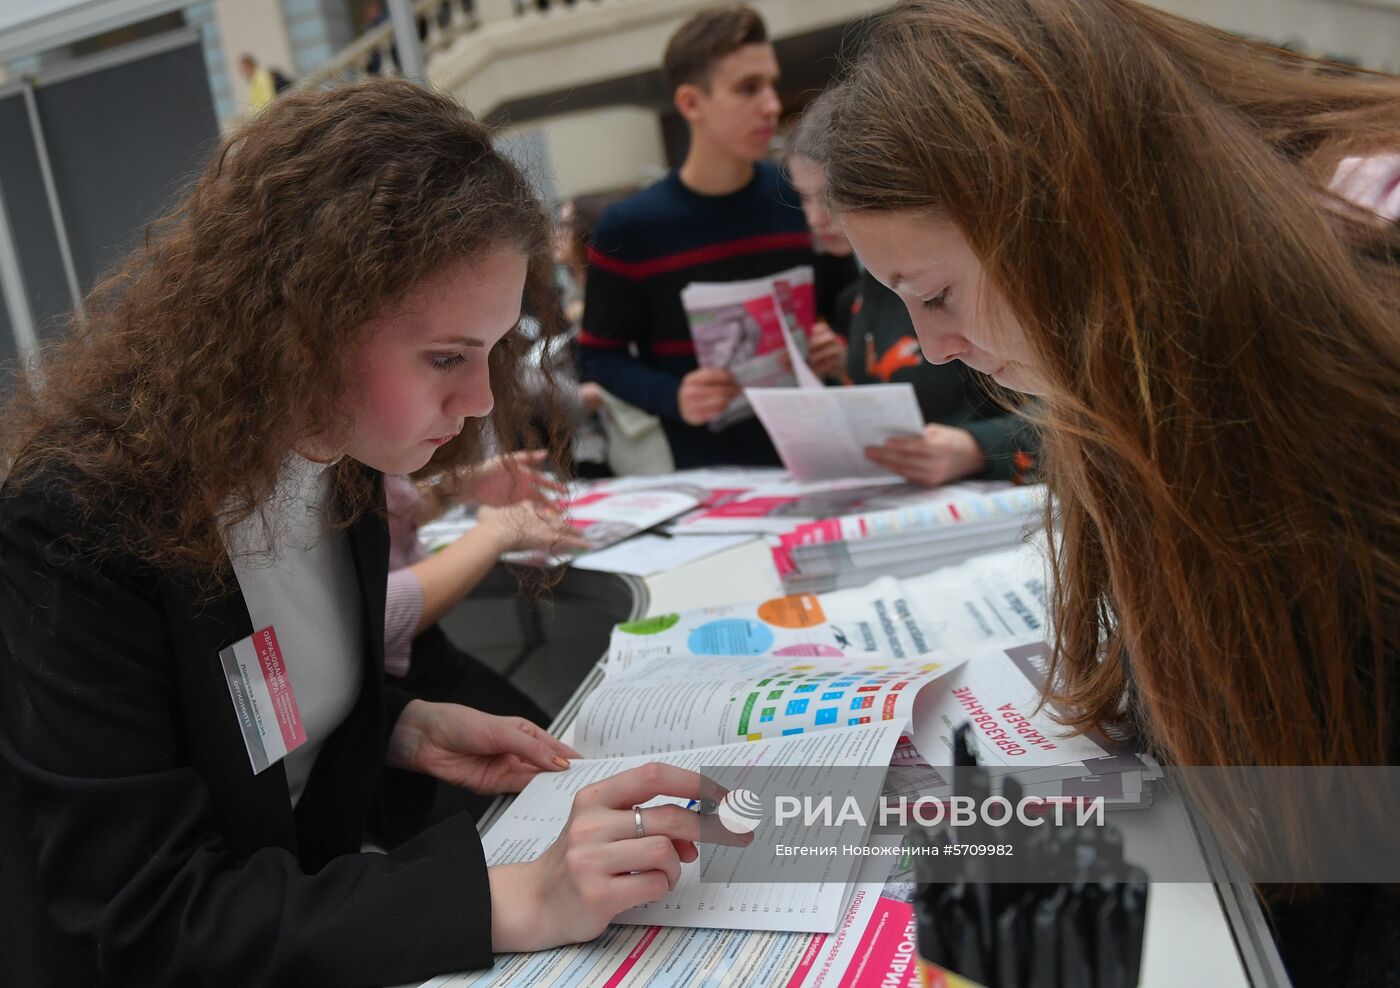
1189	939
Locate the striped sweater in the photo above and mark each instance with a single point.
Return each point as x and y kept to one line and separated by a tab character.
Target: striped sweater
636	340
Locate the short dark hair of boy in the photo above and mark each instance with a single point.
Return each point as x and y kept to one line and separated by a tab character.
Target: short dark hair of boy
706	38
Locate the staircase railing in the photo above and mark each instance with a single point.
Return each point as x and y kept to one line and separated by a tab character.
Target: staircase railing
441	23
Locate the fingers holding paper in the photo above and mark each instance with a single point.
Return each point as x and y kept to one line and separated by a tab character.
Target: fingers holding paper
937	456
704	393
826	352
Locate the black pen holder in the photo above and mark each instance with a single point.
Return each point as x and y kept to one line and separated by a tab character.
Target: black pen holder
1063	909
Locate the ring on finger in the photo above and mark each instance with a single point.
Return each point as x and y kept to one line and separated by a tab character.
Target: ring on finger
637	816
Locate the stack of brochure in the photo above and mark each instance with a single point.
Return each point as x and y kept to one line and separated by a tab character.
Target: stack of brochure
852	550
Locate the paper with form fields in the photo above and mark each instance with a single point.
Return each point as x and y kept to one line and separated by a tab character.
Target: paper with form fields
537	815
822	434
680	957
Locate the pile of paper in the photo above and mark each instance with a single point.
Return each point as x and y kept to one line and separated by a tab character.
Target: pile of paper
824	534
949	526
772	502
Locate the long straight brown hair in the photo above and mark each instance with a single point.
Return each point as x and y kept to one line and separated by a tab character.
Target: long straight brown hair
1222	430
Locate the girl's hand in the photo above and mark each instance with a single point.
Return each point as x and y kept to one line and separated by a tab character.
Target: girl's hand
826	352
527	526
598	866
941	454
465	747
510	479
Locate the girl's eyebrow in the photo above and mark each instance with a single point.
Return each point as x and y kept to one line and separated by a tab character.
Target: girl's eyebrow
460	341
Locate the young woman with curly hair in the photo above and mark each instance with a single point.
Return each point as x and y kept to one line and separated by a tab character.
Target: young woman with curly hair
202	459
1128	215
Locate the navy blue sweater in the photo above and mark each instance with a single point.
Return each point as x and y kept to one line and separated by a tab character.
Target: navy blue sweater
636	340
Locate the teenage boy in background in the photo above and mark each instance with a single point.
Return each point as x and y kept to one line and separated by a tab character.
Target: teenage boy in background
724	215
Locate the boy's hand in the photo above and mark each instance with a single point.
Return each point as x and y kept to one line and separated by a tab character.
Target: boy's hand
705	393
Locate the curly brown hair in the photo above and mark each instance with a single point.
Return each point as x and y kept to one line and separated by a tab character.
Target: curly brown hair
230	336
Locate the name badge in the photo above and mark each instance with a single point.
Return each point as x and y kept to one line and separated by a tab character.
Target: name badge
263	698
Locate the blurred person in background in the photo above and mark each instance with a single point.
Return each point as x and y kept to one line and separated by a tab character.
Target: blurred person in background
970	434
264	84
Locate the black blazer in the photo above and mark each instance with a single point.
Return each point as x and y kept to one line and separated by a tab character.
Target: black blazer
136	845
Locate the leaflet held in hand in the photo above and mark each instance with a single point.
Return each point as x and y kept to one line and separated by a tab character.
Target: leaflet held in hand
752	329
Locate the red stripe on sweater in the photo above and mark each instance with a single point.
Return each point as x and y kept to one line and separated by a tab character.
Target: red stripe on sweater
637	270
673	348
585	338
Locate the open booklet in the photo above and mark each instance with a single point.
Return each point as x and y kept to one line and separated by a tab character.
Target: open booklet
672	694
723	707
669	706
984	622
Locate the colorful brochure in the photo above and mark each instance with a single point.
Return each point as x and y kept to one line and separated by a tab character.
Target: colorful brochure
757	330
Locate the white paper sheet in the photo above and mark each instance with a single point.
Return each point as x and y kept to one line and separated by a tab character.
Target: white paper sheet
997	597
645	555
822	434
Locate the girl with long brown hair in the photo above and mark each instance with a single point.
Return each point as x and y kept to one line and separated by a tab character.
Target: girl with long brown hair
1127	214
196	735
